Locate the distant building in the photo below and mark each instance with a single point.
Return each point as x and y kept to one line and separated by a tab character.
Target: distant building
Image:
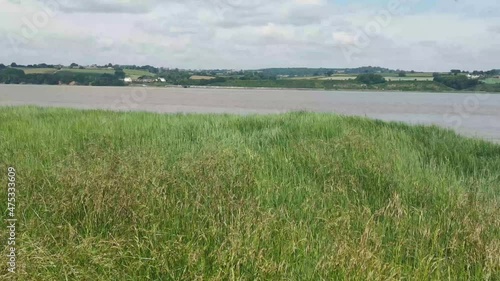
470	76
161	80
127	80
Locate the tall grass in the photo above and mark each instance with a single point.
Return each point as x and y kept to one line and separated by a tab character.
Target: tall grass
299	196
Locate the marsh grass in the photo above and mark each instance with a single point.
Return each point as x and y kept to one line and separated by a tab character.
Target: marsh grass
299	196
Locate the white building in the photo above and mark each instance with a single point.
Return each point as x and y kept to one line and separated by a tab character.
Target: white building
161	80
127	80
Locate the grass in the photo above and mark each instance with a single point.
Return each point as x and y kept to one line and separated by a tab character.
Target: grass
37	70
200	77
136	73
492	81
300	196
335	77
90	70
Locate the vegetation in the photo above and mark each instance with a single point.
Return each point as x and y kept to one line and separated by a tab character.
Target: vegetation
324	84
457	82
362	78
488	87
370	79
305	72
38	70
492	81
17	76
136	196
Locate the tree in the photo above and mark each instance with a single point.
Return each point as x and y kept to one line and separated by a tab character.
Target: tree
329	73
12	76
370	79
455	71
402	74
492	72
119	73
13	64
2	66
458	82
73	65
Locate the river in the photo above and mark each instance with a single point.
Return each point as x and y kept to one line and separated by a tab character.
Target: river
471	114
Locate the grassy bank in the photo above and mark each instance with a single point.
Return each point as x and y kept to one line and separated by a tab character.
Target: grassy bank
139	196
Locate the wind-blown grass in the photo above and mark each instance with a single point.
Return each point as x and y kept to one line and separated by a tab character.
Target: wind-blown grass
299	196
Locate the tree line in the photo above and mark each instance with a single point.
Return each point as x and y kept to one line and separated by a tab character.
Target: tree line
17	76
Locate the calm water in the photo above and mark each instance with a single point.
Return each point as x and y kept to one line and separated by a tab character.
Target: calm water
470	114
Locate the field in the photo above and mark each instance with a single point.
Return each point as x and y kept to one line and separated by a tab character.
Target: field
409	78
90	70
37	70
199	77
136	73
337	77
492	81
299	196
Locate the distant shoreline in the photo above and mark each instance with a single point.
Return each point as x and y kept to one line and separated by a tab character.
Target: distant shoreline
258	88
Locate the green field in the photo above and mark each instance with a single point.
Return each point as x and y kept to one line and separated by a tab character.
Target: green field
90	70
409	74
134	73
300	196
492	81
37	70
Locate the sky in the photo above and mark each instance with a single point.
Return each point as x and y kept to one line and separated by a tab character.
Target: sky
420	35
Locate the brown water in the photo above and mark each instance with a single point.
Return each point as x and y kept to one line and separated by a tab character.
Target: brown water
468	113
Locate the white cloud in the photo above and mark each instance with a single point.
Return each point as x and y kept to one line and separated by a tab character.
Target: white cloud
248	34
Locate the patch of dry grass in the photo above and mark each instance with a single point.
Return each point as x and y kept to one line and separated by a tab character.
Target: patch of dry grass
199	77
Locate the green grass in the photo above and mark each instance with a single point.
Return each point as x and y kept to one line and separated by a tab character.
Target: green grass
134	73
299	196
90	70
37	70
129	72
492	81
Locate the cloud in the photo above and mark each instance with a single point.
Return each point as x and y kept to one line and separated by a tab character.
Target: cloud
102	6
251	34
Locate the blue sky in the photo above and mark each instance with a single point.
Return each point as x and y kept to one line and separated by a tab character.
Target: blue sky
425	35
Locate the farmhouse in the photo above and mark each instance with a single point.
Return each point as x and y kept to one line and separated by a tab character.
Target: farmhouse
127	80
470	76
